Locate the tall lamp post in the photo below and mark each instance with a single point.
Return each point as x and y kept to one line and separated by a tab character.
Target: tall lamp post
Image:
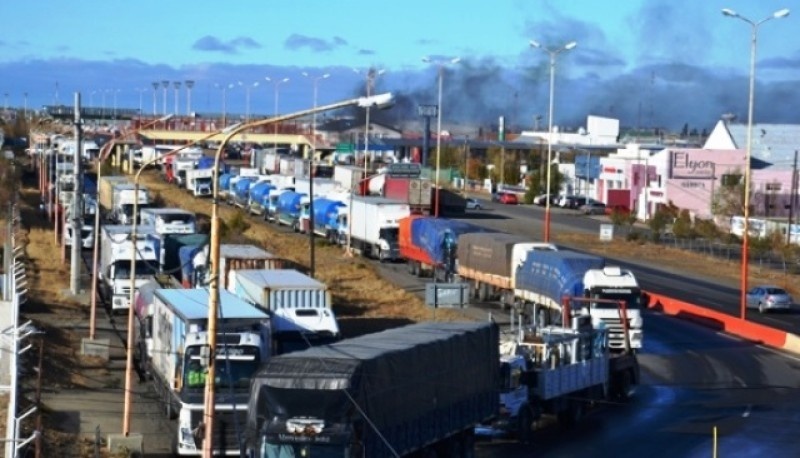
440	70
746	233
372	75
164	86
189	84
247	98
276	83
224	88
312	260
155	97
553	52
177	86
382	101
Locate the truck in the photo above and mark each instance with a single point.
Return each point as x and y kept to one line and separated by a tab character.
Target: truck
169	220
234	257
545	277
241	191
415	191
348	176
105	192
125	197
180	166
198	181
258	194
430	245
271	203
559	371
143	314
398	392
180	358
371	225
288	209
300	307
117	253
326	213
172	263
224	185
489	262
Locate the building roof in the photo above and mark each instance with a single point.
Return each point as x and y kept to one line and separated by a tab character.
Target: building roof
772	143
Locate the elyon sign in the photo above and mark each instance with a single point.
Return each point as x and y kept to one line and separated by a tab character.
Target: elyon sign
682	164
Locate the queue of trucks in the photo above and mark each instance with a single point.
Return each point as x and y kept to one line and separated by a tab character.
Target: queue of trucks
579	322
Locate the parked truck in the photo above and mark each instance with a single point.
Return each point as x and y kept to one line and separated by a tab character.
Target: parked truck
105	192
545	277
489	262
234	257
179	361
170	258
169	220
429	245
258	194
117	252
348	177
299	306
371	225
198	181
289	207
560	371
326	214
125	197
415	191
394	393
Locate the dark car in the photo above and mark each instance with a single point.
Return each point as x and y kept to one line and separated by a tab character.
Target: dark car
593	208
574	202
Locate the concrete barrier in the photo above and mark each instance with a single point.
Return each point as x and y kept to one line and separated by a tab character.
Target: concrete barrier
722	321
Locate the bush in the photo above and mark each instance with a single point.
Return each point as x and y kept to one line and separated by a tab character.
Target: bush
233	229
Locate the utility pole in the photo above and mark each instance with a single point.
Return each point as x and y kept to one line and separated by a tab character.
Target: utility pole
77	202
792	199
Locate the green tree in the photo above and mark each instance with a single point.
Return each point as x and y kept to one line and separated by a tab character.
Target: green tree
728	200
659	221
682	227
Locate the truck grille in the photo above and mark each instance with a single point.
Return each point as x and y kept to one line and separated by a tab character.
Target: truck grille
225	427
616	336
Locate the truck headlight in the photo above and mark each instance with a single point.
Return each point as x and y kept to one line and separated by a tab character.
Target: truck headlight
384	245
636	321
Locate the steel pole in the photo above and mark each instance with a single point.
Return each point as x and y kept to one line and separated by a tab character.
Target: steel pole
748	152
438	141
549	147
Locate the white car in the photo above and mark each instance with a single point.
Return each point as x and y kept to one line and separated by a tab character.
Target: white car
473	204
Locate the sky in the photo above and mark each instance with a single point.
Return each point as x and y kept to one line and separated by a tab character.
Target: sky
650	63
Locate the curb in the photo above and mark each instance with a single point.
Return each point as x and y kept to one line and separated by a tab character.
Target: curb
748	330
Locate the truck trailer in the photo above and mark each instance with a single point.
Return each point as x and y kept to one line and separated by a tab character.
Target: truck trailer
546	277
489	262
429	245
179	362
399	392
300	307
371	225
117	253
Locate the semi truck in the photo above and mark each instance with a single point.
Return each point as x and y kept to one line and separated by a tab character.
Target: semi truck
180	359
393	393
289	207
169	220
489	262
117	252
233	257
105	192
429	245
300	307
198	181
415	191
560	371
326	213
170	257
371	225
258	194
545	277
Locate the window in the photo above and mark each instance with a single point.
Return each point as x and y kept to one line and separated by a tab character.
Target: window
731	180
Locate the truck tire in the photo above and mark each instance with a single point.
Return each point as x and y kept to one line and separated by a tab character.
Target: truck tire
623	386
572	414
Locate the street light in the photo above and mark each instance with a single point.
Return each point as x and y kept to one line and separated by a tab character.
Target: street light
247	99
372	75
126	419
553	53
165	86
746	234
177	86
224	99
155	96
381	101
440	64
189	84
276	83
312	258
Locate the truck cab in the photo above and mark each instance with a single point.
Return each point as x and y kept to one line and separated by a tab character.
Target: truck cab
118	255
616	284
169	220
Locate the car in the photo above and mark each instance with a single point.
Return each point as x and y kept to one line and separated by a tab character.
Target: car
508	198
769	297
573	202
541	199
473	204
593	208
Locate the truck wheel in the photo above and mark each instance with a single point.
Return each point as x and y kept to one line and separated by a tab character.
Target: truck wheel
572	414
623	388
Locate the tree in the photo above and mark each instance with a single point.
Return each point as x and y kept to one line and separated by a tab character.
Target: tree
682	227
728	200
659	221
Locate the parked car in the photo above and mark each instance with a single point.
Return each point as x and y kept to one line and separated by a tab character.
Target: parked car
573	202
593	208
769	297
508	198
473	204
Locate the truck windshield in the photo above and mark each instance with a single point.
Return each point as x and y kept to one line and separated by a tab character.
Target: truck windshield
203	180
631	296
389	234
144	269
301	451
232	373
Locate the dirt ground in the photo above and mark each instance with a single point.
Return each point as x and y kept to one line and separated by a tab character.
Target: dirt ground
364	302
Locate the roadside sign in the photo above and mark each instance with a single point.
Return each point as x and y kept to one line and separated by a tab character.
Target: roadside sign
606	232
404	170
446	295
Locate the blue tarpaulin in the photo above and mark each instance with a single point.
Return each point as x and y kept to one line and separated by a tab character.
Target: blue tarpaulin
556	274
432	234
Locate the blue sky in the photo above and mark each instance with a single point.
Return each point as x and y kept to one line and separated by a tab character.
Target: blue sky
648	62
